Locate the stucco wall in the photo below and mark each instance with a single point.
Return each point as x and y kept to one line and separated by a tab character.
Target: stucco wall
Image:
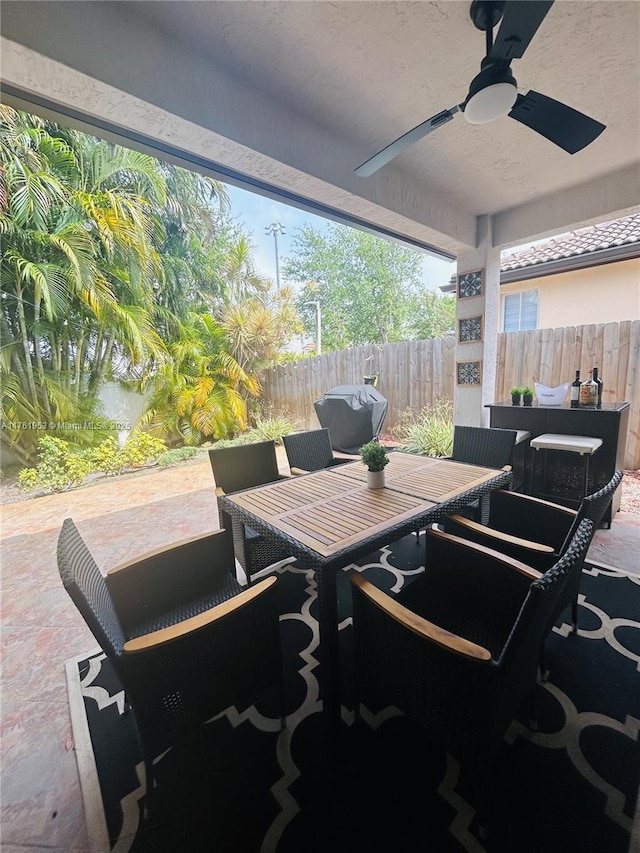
604	294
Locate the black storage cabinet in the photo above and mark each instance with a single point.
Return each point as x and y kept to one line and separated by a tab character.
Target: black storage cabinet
610	423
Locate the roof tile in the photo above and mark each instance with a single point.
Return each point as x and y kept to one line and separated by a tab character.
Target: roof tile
593	238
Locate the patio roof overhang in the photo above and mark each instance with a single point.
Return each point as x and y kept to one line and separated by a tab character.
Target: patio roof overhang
288	98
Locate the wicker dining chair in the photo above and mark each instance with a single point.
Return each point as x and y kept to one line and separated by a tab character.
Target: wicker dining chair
485	446
536	531
457	650
311	451
184	638
242	467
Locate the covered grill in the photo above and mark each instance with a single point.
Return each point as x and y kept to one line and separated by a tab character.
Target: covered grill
353	414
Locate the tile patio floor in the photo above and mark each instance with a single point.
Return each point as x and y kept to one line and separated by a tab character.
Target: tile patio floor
41	629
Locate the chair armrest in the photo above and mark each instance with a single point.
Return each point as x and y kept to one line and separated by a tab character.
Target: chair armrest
463	577
533	554
445	546
475	531
160	580
417	625
530	518
297	471
154	640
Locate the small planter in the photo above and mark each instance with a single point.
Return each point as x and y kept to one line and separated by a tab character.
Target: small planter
374	456
527	399
515	399
375	479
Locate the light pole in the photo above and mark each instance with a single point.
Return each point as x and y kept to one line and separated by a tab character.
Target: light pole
316	302
276	228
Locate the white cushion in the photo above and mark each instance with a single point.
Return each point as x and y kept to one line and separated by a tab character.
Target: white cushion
572	443
522	435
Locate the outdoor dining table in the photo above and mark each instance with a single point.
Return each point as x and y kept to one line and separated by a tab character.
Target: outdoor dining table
329	518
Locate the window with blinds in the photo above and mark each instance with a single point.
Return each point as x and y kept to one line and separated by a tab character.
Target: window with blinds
521	311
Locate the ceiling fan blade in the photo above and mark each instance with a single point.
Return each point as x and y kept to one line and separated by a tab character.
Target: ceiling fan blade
403	142
520	23
557	122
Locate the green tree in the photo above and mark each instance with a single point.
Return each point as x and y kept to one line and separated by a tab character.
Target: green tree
435	316
65	241
258	329
100	246
239	271
366	286
118	266
199	393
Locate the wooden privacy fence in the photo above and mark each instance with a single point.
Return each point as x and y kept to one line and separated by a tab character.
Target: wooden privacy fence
412	375
415	374
552	356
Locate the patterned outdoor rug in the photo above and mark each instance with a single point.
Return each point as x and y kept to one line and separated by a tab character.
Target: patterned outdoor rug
248	787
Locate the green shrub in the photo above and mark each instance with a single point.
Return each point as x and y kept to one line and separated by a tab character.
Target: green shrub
429	432
178	454
271	429
59	468
28	479
140	449
231	442
104	457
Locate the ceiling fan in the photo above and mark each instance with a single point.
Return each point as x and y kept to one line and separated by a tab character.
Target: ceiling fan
493	93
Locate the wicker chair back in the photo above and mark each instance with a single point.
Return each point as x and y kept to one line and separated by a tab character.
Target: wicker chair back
486	446
236	468
310	450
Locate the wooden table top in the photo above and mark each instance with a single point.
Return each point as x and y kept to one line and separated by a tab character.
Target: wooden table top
329	513
426	477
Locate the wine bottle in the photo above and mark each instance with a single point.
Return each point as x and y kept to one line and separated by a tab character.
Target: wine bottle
575	391
600	384
588	392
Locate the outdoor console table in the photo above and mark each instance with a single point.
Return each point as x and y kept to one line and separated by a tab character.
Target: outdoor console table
610	423
329	518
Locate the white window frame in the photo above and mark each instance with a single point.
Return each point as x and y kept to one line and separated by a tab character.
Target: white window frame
519	297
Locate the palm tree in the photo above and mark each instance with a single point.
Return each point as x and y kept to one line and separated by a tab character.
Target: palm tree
258	330
198	393
109	254
239	271
80	228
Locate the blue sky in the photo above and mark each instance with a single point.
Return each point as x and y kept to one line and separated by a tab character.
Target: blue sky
255	213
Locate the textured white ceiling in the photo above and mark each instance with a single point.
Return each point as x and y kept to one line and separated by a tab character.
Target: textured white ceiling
369	71
295	95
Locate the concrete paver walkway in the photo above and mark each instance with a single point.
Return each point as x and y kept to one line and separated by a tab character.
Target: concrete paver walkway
102	497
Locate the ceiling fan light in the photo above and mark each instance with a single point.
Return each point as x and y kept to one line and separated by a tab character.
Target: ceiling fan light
490	103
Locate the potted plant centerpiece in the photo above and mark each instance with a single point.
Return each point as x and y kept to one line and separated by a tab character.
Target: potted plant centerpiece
516	393
375	457
527	395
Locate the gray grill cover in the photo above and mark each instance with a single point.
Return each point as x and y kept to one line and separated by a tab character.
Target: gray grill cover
353	414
